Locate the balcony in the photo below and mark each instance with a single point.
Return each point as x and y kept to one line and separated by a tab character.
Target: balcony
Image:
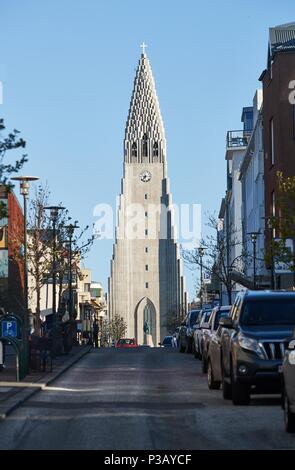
237	139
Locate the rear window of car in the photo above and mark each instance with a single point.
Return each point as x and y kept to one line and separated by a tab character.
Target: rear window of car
269	312
167	340
193	317
206	316
220	314
126	341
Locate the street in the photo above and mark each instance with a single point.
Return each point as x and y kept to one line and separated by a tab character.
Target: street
141	399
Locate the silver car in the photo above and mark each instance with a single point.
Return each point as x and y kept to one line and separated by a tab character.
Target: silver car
198	329
213	354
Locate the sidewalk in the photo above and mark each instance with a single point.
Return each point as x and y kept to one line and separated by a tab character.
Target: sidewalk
13	394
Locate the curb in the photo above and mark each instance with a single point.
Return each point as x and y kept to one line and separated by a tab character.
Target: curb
24	394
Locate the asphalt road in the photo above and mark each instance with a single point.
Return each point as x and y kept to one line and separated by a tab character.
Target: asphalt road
141	399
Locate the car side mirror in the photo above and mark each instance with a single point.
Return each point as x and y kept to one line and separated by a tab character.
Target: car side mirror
291	345
226	322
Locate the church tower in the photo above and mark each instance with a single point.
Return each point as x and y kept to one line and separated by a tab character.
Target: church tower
146	286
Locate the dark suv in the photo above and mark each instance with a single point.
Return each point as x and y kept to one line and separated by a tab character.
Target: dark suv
253	343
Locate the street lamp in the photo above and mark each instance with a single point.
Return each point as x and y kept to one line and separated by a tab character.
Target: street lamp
54	210
70	231
24	191
254	236
268	226
201	251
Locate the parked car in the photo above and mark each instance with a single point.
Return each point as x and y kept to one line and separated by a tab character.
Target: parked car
253	343
186	331
289	386
214	375
210	330
167	342
175	337
126	343
202	323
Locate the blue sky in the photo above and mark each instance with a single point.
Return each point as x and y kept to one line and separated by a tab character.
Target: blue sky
67	68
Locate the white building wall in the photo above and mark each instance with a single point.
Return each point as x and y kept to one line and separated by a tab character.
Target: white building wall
252	181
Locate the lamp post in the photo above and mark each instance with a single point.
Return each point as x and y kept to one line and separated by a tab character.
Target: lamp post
24	191
254	236
201	252
54	210
70	231
272	267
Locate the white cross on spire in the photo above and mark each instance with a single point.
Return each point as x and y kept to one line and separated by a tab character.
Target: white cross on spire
143	46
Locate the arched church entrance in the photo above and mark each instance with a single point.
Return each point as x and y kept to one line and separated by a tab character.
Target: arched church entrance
145	322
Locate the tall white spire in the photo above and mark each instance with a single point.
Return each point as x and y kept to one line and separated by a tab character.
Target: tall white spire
144	135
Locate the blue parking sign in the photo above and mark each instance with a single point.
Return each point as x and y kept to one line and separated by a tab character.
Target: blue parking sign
9	328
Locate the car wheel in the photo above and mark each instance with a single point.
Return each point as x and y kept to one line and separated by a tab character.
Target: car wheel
196	353
193	346
212	384
226	388
188	348
289	417
181	348
204	364
240	392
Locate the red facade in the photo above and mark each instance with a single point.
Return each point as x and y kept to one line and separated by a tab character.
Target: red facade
12	281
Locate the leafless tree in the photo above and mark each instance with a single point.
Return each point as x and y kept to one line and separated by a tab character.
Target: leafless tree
216	260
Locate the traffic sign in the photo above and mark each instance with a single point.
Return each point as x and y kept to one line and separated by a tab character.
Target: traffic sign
206	278
9	328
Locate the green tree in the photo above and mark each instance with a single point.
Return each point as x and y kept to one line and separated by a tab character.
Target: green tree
283	223
117	327
11	142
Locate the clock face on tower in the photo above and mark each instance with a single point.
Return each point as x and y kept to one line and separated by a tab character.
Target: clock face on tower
145	176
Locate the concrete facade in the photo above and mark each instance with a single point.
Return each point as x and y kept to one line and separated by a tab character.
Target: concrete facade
236	145
146	282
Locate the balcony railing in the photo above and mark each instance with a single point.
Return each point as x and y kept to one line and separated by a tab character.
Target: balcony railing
235	139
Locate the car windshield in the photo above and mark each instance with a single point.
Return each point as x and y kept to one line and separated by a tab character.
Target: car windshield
193	317
274	311
220	314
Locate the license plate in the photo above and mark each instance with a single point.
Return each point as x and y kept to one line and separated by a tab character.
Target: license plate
280	369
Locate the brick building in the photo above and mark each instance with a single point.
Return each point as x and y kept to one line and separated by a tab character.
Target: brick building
278	121
11	266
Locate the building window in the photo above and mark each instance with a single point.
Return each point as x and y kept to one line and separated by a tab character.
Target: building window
146	267
146	214
272	148
134	150
145	196
146	249
145	146
156	149
146	231
146	285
